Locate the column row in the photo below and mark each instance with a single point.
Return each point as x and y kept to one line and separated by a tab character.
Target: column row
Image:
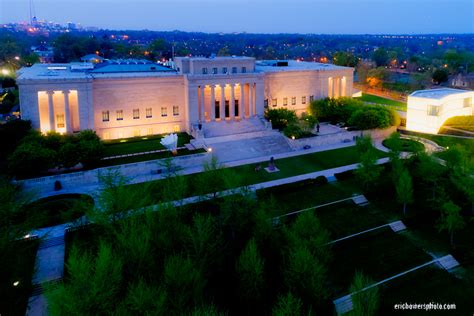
226	101
336	87
59	121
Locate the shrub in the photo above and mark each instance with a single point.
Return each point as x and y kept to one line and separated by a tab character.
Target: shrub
349	174
280	118
333	110
321	180
370	118
293	130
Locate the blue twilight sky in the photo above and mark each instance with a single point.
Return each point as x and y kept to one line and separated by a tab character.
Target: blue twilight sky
258	16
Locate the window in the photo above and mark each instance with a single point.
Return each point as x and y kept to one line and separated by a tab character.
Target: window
119	115
467	102
265	103
136	114
274	102
214	71
149	113
150	131
234	70
433	110
176	128
224	70
60	121
204	71
164	111
136	132
244	69
105	116
175	110
285	101
303	100
311	98
106	135
293	101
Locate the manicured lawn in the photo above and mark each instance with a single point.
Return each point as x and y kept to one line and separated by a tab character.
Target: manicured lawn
139	144
140	158
17	265
379	255
430	284
289	167
407	145
397	105
54	210
462	122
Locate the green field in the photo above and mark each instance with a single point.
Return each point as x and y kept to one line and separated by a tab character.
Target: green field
139	144
407	145
465	123
396	105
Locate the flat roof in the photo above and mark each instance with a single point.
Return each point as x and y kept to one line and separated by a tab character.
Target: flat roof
294	65
217	58
436	93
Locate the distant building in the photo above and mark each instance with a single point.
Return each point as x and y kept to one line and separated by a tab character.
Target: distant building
465	81
126	98
427	110
45	53
92	58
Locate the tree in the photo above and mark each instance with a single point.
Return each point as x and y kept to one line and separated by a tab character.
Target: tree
376	77
370	117
250	269
380	56
345	59
288	305
30	158
93	285
451	219
364	302
280	118
440	76
144	299
429	171
368	171
404	189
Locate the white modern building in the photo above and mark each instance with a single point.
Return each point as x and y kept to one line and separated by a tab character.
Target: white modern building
127	98
427	110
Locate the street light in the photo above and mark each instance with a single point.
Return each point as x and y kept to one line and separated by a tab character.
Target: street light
5	72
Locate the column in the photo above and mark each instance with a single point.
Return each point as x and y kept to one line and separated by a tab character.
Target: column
330	84
213	104
259	97
67	112
232	103
242	102
222	105
51	110
250	99
201	104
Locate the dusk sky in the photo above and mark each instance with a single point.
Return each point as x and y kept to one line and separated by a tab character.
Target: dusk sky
260	16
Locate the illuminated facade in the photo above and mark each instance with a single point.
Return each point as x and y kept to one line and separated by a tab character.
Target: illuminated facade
129	98
427	110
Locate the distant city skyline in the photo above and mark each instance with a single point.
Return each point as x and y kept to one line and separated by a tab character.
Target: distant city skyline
262	16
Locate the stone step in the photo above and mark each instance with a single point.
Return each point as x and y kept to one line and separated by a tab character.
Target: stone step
448	262
360	200
397	226
38	289
51	242
343	304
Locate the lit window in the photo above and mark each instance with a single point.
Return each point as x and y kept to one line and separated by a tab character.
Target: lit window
106	135
244	69
285	101
204	71
224	70
175	110
136	132
214	71
164	111
467	102
136	114
293	101
150	131
105	116
433	110
303	100
119	115
176	129
60	120
234	70
274	102
311	98
149	113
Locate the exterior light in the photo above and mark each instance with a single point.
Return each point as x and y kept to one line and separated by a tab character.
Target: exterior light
447	147
27	236
17	57
293	137
209	149
5	72
16	283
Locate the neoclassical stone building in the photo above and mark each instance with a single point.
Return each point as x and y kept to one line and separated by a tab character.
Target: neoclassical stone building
126	98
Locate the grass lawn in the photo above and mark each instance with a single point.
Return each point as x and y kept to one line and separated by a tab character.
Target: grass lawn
430	284
379	255
147	157
288	167
462	122
139	144
407	145
54	210
396	105
17	265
